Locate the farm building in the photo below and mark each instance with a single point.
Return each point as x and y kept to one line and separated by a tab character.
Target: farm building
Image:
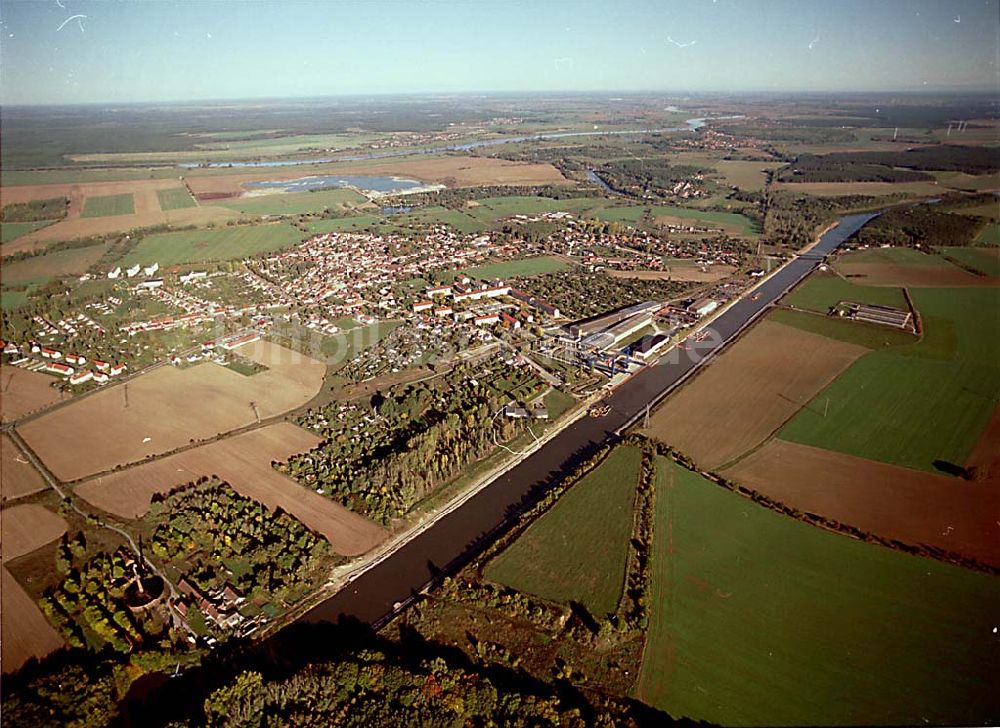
703	306
230	344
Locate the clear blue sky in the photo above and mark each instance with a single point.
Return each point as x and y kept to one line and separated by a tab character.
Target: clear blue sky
159	51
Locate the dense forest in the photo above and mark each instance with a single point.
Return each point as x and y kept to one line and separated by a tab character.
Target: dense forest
382	458
920	225
833	168
864	166
655	178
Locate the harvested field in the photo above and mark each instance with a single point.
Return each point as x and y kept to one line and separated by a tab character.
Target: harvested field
909	505
749	392
452	171
26	528
678	273
244	461
17	476
168	408
877	274
24	631
24	392
906	268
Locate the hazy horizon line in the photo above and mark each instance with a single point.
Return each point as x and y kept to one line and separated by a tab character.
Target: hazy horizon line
819	93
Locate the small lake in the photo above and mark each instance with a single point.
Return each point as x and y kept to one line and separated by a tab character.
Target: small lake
324	182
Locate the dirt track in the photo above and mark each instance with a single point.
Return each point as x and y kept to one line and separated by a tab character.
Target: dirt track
908	505
168	408
244	461
744	396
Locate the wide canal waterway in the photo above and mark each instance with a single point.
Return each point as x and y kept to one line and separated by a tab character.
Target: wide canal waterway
458	536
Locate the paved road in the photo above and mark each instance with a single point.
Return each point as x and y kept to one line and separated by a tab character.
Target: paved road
381	590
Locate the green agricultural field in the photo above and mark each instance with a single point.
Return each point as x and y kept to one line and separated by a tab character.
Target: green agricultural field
195	246
622	214
108	205
577	551
38	268
175	198
739	223
759	619
17	178
822	291
436	215
296	203
990	235
13	230
9	300
871	336
344	224
984	260
747	175
913	405
522	267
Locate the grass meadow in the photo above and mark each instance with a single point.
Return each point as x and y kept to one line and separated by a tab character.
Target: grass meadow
13	230
577	551
523	267
821	291
194	246
175	198
108	205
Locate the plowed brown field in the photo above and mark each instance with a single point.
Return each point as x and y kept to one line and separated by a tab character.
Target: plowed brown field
738	400
17	476
885	274
24	630
167	409
908	505
23	392
244	461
